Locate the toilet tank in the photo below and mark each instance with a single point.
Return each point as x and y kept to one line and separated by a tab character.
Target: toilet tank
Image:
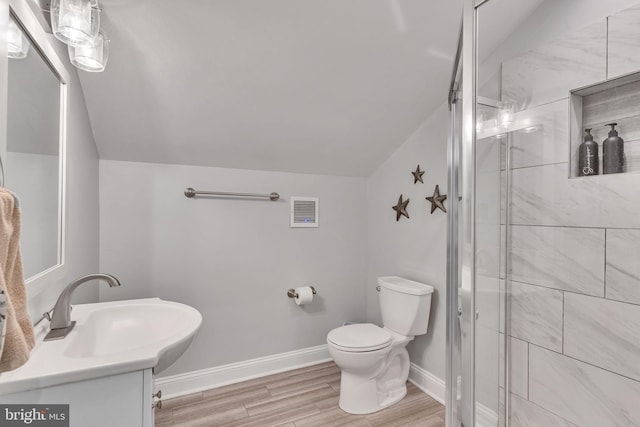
405	305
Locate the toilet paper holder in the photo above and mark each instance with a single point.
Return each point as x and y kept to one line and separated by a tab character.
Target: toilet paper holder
291	293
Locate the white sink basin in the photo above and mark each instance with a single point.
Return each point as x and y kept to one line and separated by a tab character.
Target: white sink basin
124	327
109	338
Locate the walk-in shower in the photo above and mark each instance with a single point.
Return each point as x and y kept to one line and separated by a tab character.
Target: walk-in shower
543	324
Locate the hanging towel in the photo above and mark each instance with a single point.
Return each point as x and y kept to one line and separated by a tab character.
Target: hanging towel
18	333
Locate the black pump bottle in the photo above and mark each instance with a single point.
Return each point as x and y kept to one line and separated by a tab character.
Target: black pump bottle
613	152
588	156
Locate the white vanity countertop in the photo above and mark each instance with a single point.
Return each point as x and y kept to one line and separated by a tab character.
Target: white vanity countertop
109	338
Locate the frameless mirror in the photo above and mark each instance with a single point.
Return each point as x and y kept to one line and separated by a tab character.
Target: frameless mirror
34	165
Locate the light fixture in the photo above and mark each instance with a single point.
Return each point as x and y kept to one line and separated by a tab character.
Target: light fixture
93	56
507	113
18	44
75	22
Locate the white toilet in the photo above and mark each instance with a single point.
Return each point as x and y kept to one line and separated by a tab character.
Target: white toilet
374	360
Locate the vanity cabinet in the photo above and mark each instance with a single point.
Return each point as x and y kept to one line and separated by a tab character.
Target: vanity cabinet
119	400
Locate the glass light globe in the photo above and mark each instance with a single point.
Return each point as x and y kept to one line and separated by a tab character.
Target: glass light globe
93	56
75	22
18	44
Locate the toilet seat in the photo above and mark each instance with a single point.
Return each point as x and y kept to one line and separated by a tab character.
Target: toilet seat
359	338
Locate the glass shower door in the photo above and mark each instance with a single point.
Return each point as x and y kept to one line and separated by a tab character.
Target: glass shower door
546	267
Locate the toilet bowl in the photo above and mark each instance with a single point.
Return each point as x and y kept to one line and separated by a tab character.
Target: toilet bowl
373	360
374	364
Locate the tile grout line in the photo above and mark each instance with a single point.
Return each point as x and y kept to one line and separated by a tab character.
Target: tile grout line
550	411
605	263
528	369
590	227
563	312
573	292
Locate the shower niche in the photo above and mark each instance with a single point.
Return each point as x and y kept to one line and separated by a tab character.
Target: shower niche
613	101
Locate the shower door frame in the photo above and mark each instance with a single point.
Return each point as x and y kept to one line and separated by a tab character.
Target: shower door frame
461	246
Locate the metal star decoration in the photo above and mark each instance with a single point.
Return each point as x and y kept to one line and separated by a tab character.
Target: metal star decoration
436	200
401	208
417	175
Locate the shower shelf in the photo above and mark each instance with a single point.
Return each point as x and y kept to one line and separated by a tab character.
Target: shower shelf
616	100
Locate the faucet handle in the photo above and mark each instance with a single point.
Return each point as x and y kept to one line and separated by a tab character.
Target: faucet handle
47	315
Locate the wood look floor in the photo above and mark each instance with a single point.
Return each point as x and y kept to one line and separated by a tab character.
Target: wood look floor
302	398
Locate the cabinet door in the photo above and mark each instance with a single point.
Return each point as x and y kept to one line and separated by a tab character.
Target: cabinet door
102	402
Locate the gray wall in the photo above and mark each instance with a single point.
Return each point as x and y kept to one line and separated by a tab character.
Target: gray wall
234	259
414	248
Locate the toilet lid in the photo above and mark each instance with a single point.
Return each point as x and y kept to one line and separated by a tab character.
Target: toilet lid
359	337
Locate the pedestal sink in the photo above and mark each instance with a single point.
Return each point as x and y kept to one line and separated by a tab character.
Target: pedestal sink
109	338
131	326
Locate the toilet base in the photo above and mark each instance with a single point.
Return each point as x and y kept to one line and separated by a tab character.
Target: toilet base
362	397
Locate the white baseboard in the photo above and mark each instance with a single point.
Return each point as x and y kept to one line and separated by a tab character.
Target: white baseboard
205	379
427	382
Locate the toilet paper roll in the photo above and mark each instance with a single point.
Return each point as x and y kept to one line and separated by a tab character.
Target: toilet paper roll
305	295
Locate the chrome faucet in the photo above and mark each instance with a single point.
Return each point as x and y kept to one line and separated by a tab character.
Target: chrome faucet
61	323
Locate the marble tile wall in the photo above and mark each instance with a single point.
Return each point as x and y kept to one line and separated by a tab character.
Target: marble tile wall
624	42
548	73
545	196
581	393
536	315
573	258
570	259
604	333
540	143
527	414
623	266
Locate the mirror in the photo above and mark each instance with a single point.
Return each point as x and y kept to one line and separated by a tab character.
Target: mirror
34	163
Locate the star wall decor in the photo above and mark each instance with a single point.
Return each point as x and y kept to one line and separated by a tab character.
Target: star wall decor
401	208
417	175
436	200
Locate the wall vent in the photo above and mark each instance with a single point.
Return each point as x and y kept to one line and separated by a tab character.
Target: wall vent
304	212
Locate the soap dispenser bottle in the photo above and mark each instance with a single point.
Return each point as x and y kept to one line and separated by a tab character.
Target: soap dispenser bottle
613	152
588	156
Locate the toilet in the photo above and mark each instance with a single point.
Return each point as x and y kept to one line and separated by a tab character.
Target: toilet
374	360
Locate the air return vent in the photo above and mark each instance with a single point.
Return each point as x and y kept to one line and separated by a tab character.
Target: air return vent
304	212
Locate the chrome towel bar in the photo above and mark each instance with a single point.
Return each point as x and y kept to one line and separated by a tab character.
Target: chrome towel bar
190	192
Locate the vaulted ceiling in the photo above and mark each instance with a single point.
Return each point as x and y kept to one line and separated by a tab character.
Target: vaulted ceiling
311	86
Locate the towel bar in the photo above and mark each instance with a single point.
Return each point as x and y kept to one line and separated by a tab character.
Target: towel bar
190	193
